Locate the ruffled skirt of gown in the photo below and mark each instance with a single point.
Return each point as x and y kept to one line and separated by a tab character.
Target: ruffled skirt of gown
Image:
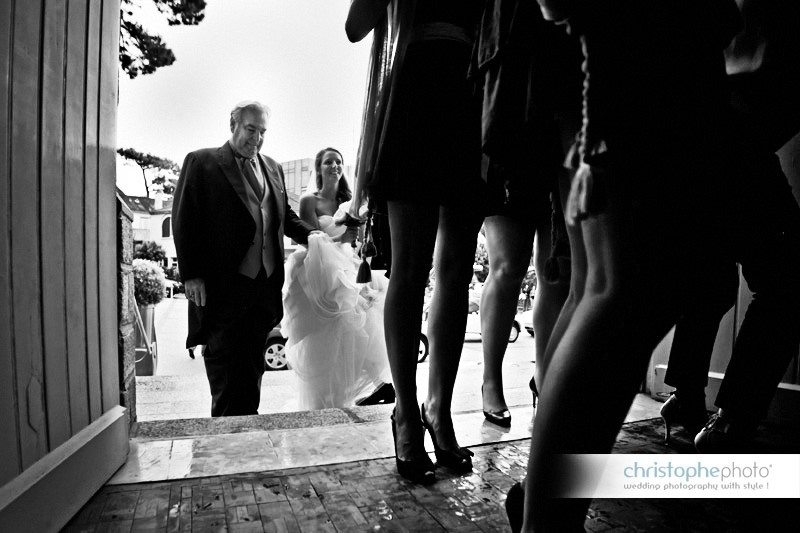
336	347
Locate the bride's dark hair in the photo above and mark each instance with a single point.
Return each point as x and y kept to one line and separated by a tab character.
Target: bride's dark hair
343	192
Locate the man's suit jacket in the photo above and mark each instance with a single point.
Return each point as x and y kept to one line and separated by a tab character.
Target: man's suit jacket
213	228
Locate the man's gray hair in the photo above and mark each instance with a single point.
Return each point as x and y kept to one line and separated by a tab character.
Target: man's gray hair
250	105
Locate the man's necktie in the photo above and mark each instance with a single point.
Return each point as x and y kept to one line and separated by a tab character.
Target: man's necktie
249	171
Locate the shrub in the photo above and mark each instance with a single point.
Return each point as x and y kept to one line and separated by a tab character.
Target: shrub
149	283
173	273
152	251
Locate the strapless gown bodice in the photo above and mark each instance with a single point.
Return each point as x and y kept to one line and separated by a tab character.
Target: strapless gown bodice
328	225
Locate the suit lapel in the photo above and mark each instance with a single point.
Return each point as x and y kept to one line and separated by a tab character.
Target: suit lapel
227	163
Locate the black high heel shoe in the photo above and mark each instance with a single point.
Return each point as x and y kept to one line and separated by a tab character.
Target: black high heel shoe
515	505
501	417
534	391
677	411
383	394
419	469
459	460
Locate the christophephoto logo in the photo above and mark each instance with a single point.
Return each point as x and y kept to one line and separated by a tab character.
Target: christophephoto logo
699	475
680	476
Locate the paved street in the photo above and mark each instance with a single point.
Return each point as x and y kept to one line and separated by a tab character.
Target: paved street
180	389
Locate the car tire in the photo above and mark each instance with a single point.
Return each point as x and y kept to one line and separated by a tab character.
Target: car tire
423	348
275	354
514	333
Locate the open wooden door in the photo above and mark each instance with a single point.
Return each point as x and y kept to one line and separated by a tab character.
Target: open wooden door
63	432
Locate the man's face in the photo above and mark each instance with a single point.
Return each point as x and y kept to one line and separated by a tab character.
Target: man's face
248	134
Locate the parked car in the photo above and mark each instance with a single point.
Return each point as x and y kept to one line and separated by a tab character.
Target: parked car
474	326
275	351
526	319
473	323
423	348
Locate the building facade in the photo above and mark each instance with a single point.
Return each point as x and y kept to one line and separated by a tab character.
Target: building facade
152	221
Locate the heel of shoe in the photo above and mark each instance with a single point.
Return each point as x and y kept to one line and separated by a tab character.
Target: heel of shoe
534	391
691	416
418	469
459	460
515	505
670	413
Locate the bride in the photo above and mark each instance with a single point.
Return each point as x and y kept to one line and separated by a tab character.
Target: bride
336	346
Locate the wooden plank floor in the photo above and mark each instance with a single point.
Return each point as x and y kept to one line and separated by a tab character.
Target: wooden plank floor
370	496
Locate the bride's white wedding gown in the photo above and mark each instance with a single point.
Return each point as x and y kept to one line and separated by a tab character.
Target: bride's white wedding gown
336	348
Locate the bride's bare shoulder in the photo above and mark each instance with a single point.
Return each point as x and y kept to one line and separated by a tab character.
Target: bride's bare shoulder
309	199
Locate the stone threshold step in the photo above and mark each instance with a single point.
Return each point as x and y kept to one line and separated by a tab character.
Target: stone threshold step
195	427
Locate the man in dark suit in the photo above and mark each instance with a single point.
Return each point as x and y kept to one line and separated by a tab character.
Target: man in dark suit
230	214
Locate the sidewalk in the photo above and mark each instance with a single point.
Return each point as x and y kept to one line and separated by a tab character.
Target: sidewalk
180	388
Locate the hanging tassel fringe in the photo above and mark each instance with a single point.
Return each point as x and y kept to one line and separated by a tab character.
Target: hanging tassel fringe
367	250
364	272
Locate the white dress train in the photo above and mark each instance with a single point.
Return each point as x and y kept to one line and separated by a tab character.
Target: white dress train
336	348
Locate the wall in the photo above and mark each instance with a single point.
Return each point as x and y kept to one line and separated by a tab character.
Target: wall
127	317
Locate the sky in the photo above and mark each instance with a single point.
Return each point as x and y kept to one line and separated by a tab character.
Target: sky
292	55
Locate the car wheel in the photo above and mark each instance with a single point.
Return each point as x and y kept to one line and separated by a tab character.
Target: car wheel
423	348
275	354
514	334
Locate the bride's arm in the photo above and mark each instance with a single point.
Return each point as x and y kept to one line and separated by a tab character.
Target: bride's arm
308	210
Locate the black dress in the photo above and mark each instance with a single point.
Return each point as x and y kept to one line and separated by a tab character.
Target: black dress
431	153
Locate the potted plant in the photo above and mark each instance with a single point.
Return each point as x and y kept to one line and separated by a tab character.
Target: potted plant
149	285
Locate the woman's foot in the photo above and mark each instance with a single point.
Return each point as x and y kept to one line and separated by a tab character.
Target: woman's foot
495	409
515	505
448	453
686	410
413	463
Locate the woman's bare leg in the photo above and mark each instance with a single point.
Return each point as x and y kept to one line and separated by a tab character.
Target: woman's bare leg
600	357
549	298
577	283
454	257
413	234
509	243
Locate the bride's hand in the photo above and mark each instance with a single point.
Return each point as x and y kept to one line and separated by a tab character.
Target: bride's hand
357	210
350	221
350	235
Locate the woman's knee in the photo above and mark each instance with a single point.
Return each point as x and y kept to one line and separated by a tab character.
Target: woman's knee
410	277
507	272
454	267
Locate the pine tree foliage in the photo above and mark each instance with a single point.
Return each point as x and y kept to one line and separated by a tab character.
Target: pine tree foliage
141	52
